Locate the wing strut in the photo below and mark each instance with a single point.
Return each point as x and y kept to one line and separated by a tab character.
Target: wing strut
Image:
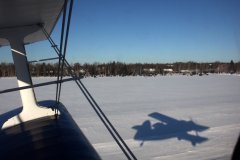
63	48
63	62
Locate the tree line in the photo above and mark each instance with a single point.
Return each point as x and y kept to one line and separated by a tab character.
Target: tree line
124	69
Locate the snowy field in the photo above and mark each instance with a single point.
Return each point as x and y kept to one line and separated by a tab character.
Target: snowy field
163	117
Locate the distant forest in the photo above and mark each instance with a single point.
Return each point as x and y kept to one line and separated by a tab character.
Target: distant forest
123	69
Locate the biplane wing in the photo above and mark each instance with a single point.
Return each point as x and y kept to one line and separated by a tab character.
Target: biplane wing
18	13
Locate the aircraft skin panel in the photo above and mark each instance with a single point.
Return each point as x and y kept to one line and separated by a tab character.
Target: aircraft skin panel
46	138
20	13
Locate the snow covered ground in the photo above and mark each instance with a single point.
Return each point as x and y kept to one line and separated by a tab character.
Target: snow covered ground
163	117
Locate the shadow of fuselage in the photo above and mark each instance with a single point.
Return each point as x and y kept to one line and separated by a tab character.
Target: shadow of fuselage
169	127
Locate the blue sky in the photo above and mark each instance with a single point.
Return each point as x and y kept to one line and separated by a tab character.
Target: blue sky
149	31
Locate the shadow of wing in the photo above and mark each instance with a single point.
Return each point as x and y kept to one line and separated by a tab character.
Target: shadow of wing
163	118
194	139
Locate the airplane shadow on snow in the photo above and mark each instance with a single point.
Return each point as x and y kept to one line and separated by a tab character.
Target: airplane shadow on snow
169	127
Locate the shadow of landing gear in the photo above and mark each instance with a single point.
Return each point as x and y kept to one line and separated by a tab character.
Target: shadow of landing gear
167	128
